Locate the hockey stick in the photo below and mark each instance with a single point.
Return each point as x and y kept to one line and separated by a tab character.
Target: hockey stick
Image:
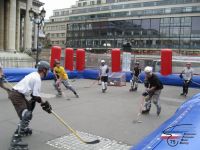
140	111
73	131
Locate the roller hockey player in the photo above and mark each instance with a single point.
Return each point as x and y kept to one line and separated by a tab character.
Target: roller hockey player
62	77
135	77
103	74
153	89
29	86
186	75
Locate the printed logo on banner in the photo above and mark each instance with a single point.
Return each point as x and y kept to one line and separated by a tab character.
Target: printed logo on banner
178	134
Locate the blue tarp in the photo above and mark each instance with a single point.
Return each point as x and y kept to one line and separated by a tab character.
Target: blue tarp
180	132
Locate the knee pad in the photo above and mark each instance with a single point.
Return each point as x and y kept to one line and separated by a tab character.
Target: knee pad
26	115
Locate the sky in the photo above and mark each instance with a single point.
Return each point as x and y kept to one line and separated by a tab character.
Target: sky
50	5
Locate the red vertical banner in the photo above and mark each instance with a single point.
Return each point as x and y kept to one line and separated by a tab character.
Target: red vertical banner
55	54
166	62
116	63
69	58
80	59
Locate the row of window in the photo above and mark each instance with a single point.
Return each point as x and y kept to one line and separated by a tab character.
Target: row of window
61	13
57	35
58	42
131	5
150	43
55	27
162	11
180	31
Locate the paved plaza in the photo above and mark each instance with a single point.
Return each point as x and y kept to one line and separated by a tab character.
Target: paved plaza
108	117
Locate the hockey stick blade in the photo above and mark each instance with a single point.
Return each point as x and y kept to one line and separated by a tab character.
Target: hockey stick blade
92	142
73	131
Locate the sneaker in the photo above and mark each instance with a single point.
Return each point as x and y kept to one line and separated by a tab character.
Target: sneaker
145	111
158	110
185	94
182	94
77	96
59	94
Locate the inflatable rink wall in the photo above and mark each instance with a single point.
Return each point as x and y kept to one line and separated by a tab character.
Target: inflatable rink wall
180	132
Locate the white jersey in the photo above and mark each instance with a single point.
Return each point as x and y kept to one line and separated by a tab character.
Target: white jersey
187	73
103	70
30	84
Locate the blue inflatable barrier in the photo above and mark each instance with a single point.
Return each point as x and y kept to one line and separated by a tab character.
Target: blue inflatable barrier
174	79
91	73
16	74
180	132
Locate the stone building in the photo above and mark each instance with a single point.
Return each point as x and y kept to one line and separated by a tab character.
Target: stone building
16	30
55	28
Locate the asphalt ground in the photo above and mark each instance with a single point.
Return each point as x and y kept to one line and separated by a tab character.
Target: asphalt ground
109	115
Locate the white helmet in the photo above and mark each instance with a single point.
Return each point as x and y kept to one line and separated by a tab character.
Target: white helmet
102	61
148	69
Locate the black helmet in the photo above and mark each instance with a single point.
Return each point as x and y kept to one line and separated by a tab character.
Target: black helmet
43	65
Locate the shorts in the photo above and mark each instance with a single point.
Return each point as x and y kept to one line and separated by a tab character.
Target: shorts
104	78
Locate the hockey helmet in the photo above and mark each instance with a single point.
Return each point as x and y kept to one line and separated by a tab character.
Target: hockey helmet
148	69
102	61
43	65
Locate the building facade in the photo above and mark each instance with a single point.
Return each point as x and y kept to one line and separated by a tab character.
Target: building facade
55	28
146	24
16	30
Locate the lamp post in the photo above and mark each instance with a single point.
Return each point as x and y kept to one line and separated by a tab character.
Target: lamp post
38	19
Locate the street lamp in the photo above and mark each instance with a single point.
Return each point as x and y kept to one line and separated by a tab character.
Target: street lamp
38	19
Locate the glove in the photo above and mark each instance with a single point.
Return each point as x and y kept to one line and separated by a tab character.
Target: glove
46	107
145	93
36	98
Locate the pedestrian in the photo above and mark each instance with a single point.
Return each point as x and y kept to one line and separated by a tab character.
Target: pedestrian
62	77
28	87
135	77
103	74
186	75
152	92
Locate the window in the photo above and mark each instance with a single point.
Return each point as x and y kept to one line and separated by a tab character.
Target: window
110	1
79	5
56	13
98	1
84	3
92	3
